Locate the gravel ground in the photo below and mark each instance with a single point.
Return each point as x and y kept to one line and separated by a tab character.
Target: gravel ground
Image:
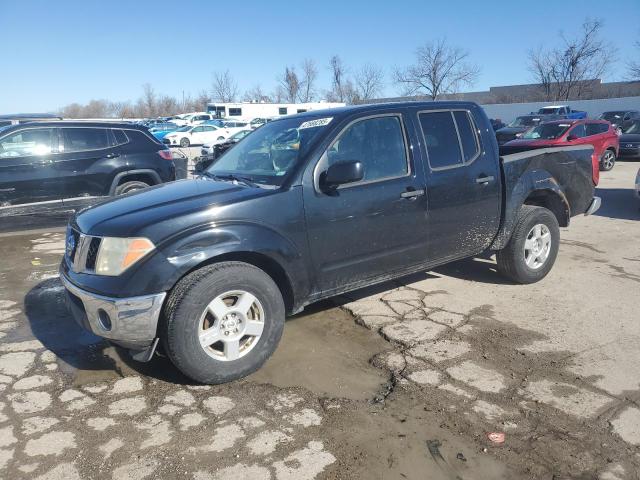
404	380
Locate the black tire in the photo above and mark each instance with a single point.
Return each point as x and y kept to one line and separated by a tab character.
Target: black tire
184	142
607	160
132	186
187	302
511	260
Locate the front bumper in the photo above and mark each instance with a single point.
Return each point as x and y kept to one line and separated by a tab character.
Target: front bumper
629	152
128	322
593	206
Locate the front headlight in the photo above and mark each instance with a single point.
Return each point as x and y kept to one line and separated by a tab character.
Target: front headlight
117	254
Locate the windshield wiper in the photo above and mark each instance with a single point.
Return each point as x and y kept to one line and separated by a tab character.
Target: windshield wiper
233	178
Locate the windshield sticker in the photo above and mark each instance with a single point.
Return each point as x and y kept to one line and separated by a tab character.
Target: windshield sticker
320	122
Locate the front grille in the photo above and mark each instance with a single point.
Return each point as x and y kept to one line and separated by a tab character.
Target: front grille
92	253
82	251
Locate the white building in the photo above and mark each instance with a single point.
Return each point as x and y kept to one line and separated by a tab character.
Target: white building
250	110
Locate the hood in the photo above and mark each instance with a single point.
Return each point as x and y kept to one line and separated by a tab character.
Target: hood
512	130
132	214
629	137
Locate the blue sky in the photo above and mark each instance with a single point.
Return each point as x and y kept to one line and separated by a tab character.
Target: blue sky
60	52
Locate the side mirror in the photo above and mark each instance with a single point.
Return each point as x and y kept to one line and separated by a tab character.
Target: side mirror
571	138
341	173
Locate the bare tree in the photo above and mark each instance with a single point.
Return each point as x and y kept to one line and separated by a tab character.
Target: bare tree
439	69
633	67
256	94
224	87
338	73
308	81
149	100
570	70
290	84
368	82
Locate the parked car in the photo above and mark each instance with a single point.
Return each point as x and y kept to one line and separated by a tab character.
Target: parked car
61	166
195	135
621	119
638	185
193	119
159	130
630	140
258	122
564	111
520	125
597	133
308	207
210	152
497	124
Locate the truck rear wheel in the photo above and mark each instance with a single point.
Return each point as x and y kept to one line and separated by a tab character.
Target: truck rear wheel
533	247
222	322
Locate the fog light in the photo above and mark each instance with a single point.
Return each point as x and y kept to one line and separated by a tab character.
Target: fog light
104	319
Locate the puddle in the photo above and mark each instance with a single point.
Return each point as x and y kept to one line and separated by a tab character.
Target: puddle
325	352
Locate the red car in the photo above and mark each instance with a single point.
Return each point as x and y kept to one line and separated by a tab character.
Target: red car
598	133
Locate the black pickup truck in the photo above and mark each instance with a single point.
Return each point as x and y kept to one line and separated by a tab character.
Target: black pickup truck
307	207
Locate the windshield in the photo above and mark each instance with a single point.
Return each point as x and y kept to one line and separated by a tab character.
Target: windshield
186	128
546	131
633	128
612	116
525	122
270	153
240	135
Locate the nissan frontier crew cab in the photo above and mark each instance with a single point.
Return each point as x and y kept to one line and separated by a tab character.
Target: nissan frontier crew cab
305	208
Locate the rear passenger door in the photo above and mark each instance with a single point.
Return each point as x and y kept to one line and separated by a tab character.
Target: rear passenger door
463	184
87	161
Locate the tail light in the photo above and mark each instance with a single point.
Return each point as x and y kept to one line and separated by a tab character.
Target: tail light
165	154
595	166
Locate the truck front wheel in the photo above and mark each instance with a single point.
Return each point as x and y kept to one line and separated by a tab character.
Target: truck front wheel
533	247
222	322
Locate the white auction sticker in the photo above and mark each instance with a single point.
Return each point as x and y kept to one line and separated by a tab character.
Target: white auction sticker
320	122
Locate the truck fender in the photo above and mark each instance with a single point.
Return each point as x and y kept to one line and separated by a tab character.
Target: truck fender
535	187
253	243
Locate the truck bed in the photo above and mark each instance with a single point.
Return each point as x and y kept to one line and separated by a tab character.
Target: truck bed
565	172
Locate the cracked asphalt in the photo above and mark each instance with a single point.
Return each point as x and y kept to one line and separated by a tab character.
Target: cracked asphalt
401	380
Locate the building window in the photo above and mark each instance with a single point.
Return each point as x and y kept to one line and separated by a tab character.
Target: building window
282	111
235	112
301	110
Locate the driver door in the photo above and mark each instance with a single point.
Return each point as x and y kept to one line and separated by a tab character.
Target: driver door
373	227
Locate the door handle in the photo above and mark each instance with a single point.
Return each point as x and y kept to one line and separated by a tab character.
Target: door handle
112	155
412	193
485	180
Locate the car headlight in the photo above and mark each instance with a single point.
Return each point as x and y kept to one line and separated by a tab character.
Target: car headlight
118	254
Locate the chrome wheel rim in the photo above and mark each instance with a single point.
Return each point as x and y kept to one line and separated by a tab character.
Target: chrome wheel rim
231	325
537	246
608	160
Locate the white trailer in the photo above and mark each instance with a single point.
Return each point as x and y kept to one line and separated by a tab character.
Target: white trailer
251	110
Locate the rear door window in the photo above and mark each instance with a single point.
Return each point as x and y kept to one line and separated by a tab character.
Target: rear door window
441	139
29	142
84	138
120	137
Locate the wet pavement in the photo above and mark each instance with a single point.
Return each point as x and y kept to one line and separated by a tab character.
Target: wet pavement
403	380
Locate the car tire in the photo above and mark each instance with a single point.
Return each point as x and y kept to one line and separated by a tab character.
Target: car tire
184	142
533	247
607	160
203	303
128	187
